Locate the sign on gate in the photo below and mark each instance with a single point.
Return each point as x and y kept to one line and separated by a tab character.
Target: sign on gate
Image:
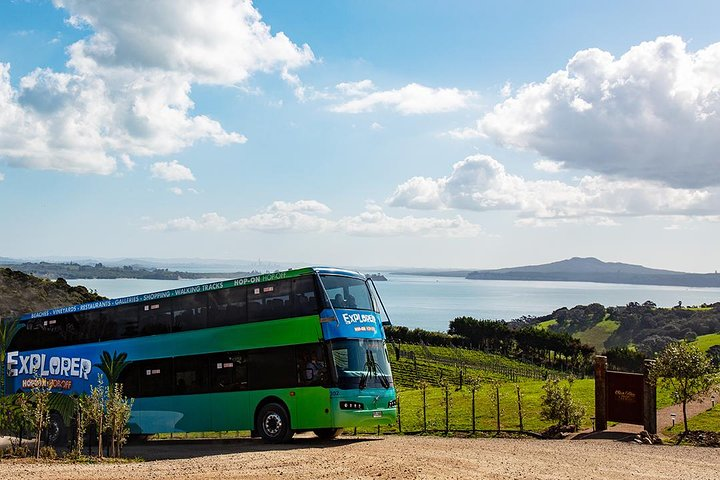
625	397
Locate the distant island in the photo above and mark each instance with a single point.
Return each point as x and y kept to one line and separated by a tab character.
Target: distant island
589	269
73	270
376	277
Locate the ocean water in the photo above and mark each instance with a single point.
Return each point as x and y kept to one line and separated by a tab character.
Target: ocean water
431	302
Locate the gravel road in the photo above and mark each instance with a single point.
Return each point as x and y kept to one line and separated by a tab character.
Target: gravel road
392	457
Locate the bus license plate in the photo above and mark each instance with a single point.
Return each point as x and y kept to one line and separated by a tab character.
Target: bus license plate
377	414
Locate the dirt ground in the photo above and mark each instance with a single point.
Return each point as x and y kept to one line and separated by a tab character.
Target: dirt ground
391	457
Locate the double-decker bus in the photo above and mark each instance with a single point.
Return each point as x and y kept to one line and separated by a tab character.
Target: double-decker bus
279	353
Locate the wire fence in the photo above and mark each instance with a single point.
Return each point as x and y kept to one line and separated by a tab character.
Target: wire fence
492	407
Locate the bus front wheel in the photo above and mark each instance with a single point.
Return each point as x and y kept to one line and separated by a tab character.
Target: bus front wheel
327	433
273	424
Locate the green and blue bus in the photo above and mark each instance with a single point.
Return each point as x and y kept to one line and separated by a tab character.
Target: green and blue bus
278	353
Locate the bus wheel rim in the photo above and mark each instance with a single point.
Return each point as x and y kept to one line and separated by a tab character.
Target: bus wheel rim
273	424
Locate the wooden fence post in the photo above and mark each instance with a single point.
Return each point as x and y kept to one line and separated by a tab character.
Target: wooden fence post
519	401
650	399
600	392
424	389
473	409
397	400
497	401
447	408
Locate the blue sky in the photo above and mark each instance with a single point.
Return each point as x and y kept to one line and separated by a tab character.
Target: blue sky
405	133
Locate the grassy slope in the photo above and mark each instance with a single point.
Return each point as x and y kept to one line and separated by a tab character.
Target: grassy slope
704	342
598	334
546	324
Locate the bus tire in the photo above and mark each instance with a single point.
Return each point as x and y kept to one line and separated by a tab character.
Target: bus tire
327	433
273	424
56	431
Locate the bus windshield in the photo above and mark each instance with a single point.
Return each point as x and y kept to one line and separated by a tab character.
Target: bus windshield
347	292
361	363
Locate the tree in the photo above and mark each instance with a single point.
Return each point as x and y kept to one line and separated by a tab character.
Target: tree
117	417
559	405
36	410
95	405
8	329
112	366
687	371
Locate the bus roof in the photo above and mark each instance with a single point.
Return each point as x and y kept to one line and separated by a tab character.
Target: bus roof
206	287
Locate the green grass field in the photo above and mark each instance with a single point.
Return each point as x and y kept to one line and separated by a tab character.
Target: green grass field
460	416
598	334
703	342
485	411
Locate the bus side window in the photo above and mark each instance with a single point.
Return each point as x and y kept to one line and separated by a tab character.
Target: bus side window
155	378
311	364
191	374
269	301
272	368
88	327
227	307
129	380
122	323
49	332
304	300
155	317
228	372
190	312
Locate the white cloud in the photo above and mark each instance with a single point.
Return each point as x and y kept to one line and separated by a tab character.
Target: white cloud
176	190
376	126
127	89
376	223
308	216
653	113
465	133
2	177
506	90
356	89
548	166
302	206
481	183
412	99
171	171
210	41
127	161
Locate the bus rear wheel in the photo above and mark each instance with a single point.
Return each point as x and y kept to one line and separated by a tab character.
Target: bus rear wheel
327	433
273	424
56	431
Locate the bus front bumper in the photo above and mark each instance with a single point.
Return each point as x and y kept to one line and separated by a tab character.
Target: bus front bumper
364	408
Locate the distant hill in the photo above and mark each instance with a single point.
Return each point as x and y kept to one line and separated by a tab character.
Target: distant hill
74	270
593	270
645	326
21	293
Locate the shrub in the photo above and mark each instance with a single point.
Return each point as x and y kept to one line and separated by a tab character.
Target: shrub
558	404
48	453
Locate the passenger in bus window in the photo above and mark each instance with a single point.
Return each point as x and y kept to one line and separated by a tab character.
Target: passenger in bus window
338	301
314	368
